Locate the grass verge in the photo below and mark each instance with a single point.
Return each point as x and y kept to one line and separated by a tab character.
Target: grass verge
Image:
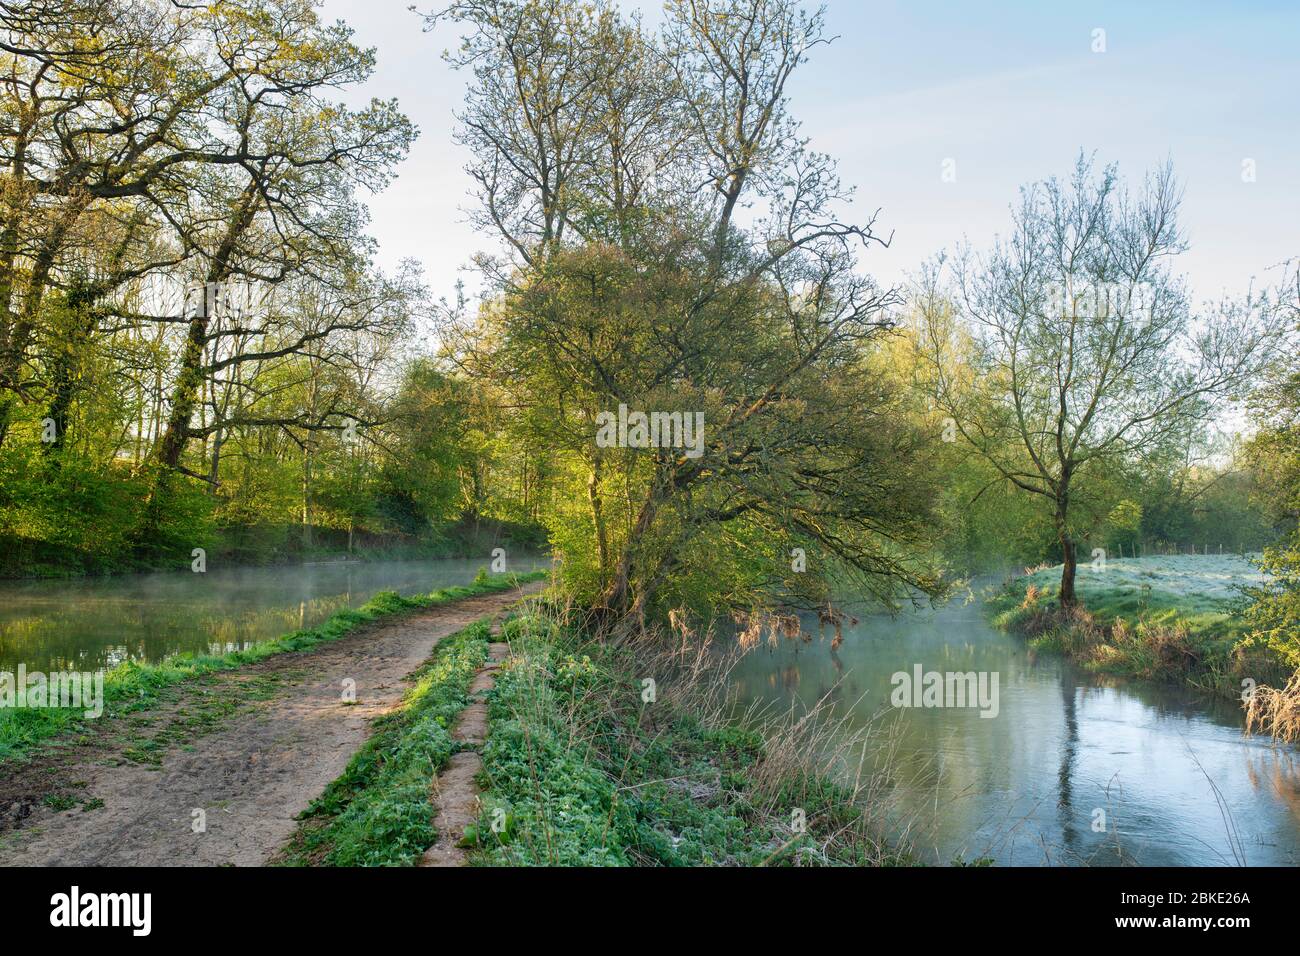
133	687
586	765
377	812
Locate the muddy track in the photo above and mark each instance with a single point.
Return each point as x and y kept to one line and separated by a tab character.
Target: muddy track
455	793
282	732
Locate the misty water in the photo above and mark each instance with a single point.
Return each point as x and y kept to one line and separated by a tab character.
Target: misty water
91	623
1176	778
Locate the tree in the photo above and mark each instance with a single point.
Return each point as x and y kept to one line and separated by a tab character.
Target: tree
1274	615
1082	350
633	280
158	162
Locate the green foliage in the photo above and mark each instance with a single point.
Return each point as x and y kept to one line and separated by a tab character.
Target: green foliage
990	523
60	514
1274	614
1125	522
585	774
826	468
655	294
293	415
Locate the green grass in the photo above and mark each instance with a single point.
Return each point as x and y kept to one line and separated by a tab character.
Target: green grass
133	687
204	710
1170	618
377	813
1202	590
579	771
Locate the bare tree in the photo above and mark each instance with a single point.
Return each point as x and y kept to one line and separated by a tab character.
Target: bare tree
1070	346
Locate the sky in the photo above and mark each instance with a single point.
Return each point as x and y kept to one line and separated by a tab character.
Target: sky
1000	94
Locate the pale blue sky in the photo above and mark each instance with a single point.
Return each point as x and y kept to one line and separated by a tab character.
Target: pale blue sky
1009	91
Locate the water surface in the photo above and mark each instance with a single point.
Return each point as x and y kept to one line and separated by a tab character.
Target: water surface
91	623
1177	780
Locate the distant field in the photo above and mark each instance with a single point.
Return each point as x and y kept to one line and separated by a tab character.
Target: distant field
1173	618
1199	587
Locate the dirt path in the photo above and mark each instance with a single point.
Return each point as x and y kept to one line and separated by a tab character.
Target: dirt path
455	794
283	734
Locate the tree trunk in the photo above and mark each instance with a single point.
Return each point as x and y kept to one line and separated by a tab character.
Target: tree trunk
615	602
1068	563
189	383
306	495
214	470
598	520
64	363
185	395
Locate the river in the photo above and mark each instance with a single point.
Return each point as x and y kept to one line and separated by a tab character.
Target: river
1073	769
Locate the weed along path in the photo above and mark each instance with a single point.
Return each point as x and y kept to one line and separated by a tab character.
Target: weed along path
217	776
455	792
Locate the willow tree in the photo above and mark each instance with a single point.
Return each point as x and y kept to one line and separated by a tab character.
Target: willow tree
1070	348
671	244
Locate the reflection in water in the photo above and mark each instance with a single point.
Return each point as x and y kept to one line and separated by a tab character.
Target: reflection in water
91	623
1030	785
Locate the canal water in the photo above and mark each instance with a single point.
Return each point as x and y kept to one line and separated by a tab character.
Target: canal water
89	623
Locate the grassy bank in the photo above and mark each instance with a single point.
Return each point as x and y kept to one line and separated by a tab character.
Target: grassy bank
1168	618
133	687
377	812
585	766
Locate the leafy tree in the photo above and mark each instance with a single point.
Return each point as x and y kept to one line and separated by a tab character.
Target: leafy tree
1125	523
629	278
148	146
1275	613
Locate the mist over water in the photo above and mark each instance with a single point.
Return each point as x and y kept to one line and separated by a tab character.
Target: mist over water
89	623
1025	786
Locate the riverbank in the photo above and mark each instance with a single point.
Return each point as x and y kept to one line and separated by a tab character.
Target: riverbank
134	687
267	757
1169	618
589	761
634	756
